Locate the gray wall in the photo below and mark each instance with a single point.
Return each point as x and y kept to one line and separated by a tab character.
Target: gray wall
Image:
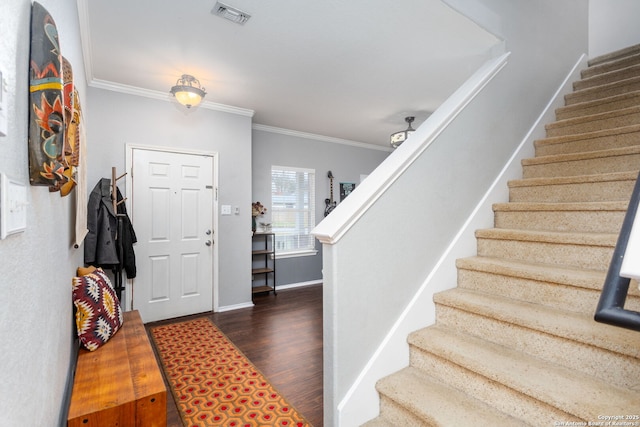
118	119
346	162
36	266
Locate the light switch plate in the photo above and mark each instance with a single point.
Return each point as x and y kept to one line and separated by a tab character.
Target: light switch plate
13	206
225	210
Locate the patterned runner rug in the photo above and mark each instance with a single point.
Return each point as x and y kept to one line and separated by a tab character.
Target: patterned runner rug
214	384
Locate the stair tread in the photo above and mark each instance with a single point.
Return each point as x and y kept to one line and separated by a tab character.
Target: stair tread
579	93
587	135
575	393
609	75
564	275
575	179
595	122
563	237
612	65
592	117
551	273
437	403
560	206
598	102
556	158
614	56
574	326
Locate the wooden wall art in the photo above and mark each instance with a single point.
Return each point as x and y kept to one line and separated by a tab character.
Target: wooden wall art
46	115
71	146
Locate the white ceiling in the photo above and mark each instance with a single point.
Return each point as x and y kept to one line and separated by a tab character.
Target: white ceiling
346	69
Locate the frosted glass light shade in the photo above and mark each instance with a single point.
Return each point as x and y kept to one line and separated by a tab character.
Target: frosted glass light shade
188	91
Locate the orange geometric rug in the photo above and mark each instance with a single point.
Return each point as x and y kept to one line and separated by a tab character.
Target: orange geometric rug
214	384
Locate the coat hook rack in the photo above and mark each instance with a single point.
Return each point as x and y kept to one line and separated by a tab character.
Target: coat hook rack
114	189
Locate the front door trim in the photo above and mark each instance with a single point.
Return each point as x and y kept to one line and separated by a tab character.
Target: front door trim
129	195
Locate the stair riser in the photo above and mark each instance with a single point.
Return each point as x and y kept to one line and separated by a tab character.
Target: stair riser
615	56
555	295
610	77
583	299
611	66
606	365
400	415
584	256
562	129
552	146
578	192
599	165
486	390
626	86
604	106
581	221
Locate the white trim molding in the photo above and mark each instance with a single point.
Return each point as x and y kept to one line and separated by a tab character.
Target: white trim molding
299	285
85	37
165	96
234	307
321	138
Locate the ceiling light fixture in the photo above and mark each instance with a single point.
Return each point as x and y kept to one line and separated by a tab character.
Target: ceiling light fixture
230	13
188	91
398	138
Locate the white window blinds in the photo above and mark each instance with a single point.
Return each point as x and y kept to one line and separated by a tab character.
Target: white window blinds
293	208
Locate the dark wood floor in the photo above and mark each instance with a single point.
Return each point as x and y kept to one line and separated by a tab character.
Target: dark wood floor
282	336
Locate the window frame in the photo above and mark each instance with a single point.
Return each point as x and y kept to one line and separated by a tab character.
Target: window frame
309	211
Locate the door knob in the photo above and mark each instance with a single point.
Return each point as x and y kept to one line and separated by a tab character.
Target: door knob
208	232
208	243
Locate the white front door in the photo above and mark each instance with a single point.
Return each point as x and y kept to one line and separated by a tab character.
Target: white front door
172	213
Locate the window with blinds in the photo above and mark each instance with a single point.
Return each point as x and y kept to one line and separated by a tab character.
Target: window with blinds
293	208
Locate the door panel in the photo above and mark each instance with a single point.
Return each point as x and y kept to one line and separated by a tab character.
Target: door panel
172	212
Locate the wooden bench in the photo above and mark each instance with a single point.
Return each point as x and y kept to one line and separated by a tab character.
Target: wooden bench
119	384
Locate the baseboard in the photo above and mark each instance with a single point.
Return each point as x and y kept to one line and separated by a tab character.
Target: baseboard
298	285
278	288
235	307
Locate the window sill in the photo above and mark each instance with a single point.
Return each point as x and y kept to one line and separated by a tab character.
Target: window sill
309	252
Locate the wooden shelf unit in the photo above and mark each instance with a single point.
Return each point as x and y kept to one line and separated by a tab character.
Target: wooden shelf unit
264	262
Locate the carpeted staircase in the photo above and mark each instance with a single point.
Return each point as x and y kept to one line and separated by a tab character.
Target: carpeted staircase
515	343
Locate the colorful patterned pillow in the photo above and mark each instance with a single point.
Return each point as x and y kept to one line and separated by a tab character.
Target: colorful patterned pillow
98	312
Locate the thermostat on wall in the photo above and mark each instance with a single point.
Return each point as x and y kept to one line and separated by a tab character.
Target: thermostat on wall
13	206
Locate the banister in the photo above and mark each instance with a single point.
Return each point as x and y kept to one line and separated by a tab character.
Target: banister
610	308
334	226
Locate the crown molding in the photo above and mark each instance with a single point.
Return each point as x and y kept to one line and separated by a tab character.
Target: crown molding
85	37
165	96
317	137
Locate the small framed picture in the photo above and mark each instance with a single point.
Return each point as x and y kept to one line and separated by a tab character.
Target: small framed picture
346	188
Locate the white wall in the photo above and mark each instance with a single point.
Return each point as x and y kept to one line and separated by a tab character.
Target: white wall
613	25
373	271
117	119
36	266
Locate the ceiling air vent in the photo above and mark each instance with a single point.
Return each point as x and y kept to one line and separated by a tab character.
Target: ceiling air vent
230	13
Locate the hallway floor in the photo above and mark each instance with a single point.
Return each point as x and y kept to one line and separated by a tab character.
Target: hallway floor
282	336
